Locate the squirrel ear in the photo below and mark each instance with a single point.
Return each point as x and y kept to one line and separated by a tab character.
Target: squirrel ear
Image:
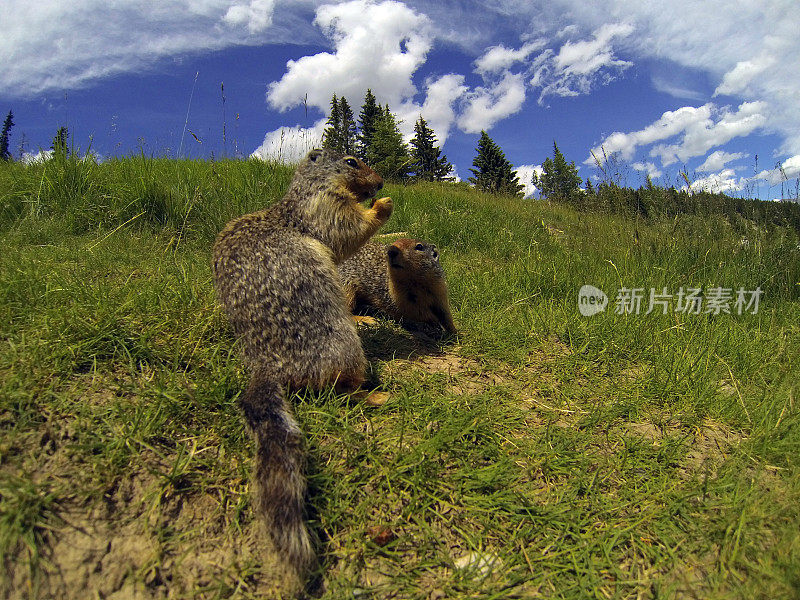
314	154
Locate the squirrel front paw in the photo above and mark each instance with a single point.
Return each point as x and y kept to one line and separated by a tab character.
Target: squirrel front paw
383	208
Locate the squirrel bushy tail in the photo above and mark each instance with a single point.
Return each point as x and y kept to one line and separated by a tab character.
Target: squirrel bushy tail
278	476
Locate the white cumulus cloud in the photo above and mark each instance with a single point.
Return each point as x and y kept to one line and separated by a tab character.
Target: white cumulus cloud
525	174
29	158
717	160
746	49
500	58
589	56
669	125
438	109
485	106
649	168
697	125
256	14
375	45
290	144
702	135
579	66
718	183
788	169
381	45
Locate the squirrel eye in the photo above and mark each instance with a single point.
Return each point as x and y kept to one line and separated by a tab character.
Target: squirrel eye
419	247
352	162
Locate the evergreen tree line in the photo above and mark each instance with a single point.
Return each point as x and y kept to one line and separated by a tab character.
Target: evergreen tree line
376	138
59	145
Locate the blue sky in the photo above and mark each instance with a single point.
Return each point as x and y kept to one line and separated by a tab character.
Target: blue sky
706	86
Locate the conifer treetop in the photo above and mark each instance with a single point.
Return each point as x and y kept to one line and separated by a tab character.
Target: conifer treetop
492	171
429	163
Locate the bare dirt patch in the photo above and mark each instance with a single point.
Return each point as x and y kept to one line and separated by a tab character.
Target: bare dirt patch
143	542
462	375
708	444
147	535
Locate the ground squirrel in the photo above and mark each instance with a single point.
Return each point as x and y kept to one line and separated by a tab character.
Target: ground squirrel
275	275
403	280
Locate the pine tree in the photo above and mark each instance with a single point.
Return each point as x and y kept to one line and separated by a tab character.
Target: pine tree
428	162
341	133
7	125
60	142
347	128
559	180
331	136
387	153
493	172
370	113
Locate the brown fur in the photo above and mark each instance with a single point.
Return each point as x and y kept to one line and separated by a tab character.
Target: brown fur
275	275
402	280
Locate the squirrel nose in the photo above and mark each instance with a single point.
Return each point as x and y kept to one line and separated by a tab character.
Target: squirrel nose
393	252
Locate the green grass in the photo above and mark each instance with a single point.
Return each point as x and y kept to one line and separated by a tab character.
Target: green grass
607	457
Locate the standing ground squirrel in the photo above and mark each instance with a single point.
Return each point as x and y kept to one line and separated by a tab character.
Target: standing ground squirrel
275	275
403	280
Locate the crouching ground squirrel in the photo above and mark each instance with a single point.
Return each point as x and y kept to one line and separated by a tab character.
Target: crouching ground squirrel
402	280
275	275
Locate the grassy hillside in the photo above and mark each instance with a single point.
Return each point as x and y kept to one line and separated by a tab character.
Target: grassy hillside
541	454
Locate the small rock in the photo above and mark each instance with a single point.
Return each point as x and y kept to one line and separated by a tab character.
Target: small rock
381	535
480	562
376	399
